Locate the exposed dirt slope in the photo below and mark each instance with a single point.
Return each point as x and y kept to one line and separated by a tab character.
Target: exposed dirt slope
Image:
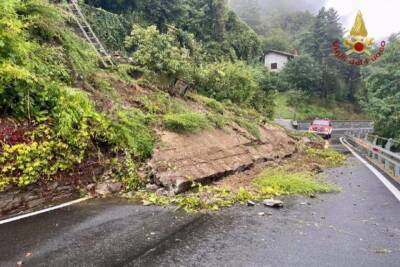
209	155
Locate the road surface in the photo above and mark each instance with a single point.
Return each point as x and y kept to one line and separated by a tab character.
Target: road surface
358	227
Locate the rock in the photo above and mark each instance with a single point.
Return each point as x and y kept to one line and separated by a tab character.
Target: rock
91	187
35	203
102	189
316	168
53	186
152	187
30	197
12	203
146	203
65	188
264	214
115	187
161	192
251	203
129	195
105	189
273	203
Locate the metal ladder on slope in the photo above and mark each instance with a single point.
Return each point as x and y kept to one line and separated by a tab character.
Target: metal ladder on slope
89	34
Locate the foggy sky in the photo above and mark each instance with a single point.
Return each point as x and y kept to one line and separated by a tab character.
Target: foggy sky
382	18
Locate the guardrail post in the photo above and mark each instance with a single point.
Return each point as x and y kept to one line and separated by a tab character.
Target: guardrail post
366	137
397	170
387	164
375	141
389	144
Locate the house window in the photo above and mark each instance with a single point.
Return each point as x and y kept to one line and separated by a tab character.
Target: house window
274	66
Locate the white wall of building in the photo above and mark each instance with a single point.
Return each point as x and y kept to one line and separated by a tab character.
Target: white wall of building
280	60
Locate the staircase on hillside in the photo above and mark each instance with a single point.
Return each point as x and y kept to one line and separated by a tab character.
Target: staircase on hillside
87	31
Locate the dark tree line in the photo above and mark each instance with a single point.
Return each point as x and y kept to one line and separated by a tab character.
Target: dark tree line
211	22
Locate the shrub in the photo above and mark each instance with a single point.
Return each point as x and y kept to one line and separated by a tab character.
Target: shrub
131	134
209	102
227	81
239	83
24	164
158	54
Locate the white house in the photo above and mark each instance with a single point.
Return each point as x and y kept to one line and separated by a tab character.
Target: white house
275	60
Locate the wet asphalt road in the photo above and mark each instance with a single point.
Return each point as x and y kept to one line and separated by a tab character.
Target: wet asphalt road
360	226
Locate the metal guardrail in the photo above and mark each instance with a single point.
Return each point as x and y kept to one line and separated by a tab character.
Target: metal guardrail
339	125
379	150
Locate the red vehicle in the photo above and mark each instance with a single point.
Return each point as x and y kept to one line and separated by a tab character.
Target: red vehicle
322	127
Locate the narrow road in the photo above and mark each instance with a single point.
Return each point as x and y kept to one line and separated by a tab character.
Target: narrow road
360	226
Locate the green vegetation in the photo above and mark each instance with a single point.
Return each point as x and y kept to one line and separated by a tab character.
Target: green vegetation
213	104
40	59
201	198
328	157
295	105
380	96
316	73
279	182
110	28
217	29
50	78
271	183
186	122
159	55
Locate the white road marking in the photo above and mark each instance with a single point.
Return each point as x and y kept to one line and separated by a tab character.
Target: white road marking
17	218
380	176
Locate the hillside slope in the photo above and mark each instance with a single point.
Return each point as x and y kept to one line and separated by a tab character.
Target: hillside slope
70	128
67	123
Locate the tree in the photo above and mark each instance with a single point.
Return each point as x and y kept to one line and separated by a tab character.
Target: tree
318	43
303	73
380	96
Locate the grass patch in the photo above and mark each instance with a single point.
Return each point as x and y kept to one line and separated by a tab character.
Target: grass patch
217	120
211	103
279	182
282	108
186	122
161	103
251	127
327	157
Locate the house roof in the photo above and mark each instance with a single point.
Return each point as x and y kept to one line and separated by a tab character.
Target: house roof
281	53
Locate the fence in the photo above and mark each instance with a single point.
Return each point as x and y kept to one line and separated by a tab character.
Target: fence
381	151
340	125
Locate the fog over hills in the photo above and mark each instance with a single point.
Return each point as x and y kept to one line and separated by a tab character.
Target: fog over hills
281	6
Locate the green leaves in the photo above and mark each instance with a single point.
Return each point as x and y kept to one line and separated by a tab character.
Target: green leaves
303	73
381	95
160	55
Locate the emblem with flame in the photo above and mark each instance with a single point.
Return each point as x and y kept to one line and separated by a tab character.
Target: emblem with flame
358	41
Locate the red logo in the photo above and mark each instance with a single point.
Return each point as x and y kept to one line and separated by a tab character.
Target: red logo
358	43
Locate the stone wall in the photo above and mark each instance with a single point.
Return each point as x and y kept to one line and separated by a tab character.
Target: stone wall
16	200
